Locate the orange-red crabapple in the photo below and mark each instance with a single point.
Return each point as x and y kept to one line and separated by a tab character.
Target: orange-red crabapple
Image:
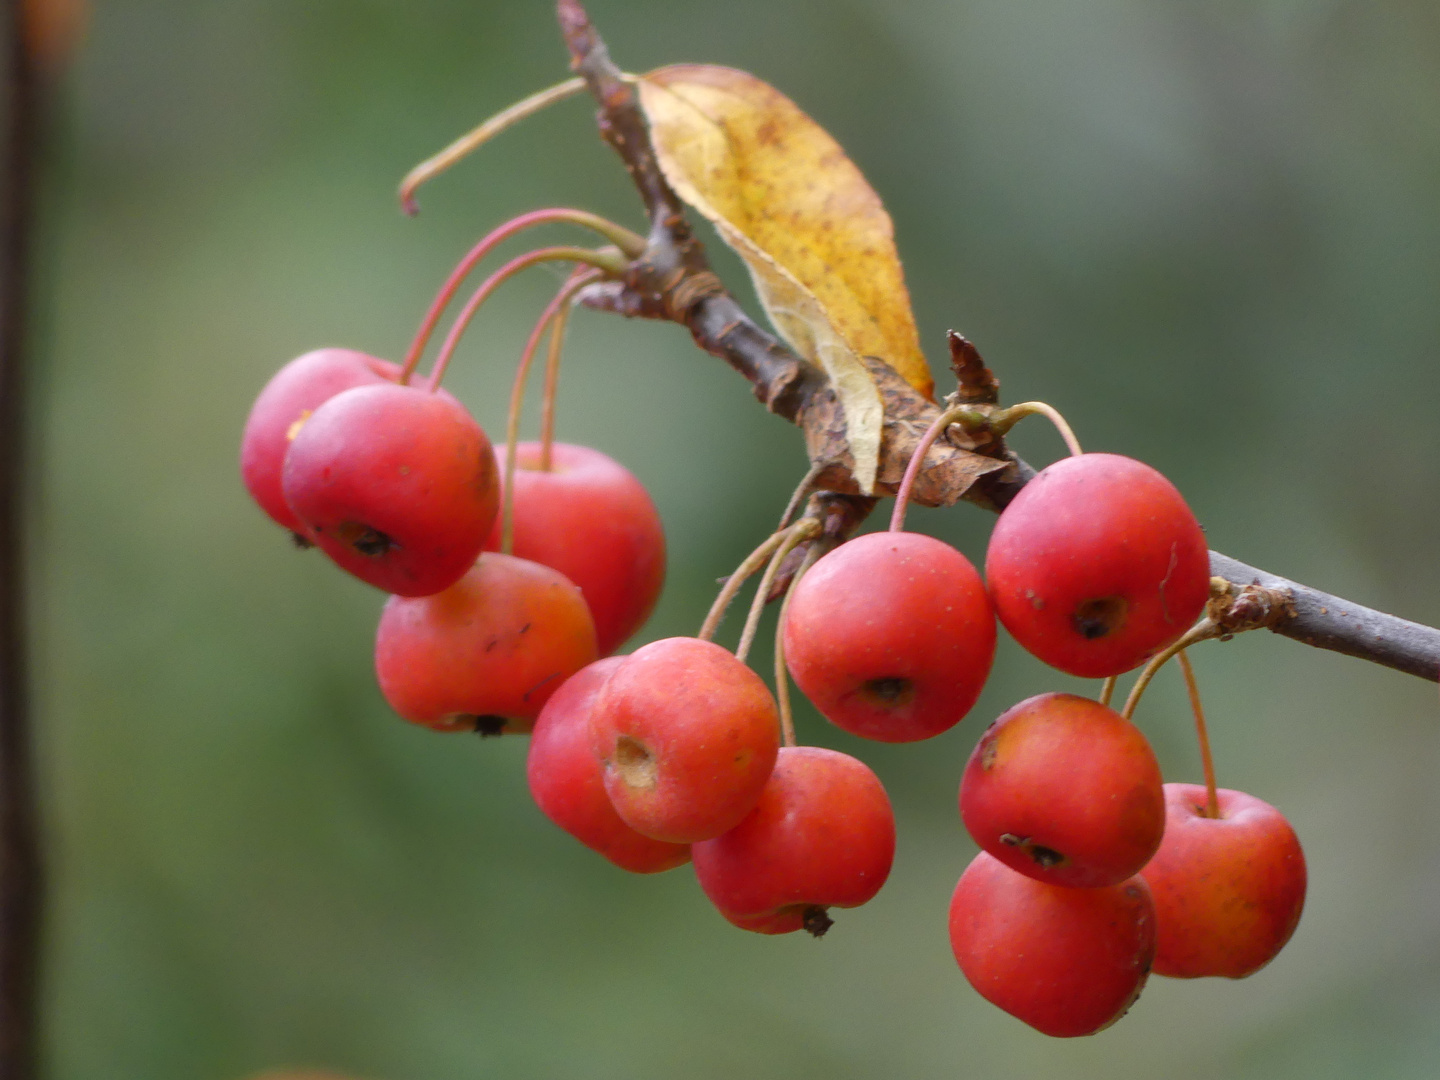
1068	962
1228	890
281	409
396	484
891	636
687	736
566	781
1097	564
485	654
1064	790
821	836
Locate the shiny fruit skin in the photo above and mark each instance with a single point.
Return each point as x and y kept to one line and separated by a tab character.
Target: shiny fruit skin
286	402
822	835
1068	962
687	736
1097	565
566	782
589	518
494	645
396	484
1229	890
891	636
1065	790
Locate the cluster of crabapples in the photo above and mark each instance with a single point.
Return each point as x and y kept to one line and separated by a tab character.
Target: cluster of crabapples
1092	871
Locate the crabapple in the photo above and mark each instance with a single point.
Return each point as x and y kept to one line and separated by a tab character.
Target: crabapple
286	402
485	654
396	484
891	636
1068	962
567	785
687	736
1065	790
1228	890
1097	564
589	518
822	835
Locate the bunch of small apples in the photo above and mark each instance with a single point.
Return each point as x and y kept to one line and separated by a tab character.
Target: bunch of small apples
400	486
1093	872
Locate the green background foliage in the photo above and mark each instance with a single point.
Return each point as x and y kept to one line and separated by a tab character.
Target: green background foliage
1209	233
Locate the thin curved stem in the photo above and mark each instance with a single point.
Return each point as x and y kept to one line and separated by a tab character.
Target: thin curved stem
558	324
1107	689
1212	800
1005	419
802	490
577	280
467	144
912	470
632	244
782	673
753	562
801	530
600	260
1199	632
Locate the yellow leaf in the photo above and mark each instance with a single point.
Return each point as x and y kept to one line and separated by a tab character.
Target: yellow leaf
812	232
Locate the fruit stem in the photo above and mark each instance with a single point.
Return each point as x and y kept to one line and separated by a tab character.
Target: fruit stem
1002	421
433	166
608	262
558	322
1107	689
753	562
782	673
1203	629
632	244
807	483
961	414
1212	800
578	279
794	535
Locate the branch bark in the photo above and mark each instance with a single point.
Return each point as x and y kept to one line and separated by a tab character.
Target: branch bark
673	281
20	880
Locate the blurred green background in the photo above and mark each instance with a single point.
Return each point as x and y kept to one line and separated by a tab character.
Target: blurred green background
1208	232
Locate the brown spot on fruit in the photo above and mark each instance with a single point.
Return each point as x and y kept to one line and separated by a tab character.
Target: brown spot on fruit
372	543
816	920
633	762
489	726
1045	857
1042	856
1095	619
889	690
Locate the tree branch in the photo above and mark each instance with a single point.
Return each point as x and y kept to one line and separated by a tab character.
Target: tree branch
673	281
20	880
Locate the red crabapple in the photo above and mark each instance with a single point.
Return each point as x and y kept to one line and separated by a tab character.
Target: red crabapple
396	484
1068	962
891	636
291	395
1065	790
589	518
485	654
1097	565
822	835
687	735
566	782
1228	890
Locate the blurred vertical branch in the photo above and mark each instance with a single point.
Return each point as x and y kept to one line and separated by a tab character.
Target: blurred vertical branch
20	886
